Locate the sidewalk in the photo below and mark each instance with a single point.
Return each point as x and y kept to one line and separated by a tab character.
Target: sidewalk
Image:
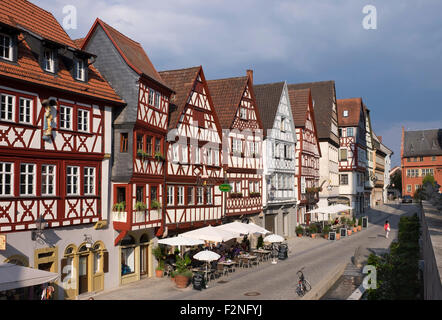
164	288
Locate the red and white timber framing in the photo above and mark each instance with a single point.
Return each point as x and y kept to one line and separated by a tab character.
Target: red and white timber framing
48	179
245	165
194	168
147	181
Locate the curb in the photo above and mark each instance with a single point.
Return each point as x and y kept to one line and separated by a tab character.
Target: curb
326	283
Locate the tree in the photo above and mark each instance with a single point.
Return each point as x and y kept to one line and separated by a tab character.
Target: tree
430	179
396	180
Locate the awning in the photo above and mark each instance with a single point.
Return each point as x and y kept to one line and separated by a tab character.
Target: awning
13	276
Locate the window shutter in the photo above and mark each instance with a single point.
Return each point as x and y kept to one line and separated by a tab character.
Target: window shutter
64	271
14	48
105	262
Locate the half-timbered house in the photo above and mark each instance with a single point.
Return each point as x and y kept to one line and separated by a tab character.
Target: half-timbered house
235	105
352	152
324	107
194	168
370	177
279	194
307	153
139	157
55	137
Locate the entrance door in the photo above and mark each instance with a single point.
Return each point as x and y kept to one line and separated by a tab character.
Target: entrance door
270	222
83	274
144	262
285	224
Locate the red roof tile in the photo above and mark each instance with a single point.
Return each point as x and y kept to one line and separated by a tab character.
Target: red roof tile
29	69
226	95
131	51
181	81
353	106
22	13
299	101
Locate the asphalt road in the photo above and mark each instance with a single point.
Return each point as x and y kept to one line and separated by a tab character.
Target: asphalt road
277	282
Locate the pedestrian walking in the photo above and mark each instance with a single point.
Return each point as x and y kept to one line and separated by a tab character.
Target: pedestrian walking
386	228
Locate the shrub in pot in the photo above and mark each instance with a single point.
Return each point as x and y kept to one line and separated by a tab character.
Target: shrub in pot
313	230
182	273
325	232
160	255
360	224
299	231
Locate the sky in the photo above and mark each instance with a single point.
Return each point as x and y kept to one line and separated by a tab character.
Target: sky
395	68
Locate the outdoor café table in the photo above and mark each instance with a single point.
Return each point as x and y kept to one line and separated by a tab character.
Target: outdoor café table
248	258
263	253
227	264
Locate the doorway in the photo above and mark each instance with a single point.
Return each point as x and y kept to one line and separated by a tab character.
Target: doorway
83	274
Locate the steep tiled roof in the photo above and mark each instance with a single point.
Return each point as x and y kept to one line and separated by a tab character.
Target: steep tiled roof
353	106
299	100
24	14
226	95
181	81
79	42
131	51
423	143
267	100
29	69
323	95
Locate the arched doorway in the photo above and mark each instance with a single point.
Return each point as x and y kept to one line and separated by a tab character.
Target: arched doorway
83	269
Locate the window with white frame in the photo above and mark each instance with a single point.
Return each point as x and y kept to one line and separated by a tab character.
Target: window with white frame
350	132
190	196
83	120
151	97
209	196
169	195
216	157
180	196
209	156
199	195
251	185
6	178
345	113
89	181
175	154
48	180
185	153
81	70
65	117
408	187
238	186
25	110
236	146
7	107
49	60
72	180
243	113
197	154
27	179
157	99
5	47
256	186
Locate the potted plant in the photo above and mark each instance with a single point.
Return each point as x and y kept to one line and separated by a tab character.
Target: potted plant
299	231
159	156
338	236
360	224
140	206
182	274
260	242
354	226
348	232
325	232
313	230
119	206
159	254
155	204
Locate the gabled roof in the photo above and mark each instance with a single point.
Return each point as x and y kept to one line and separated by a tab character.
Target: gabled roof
131	51
423	143
28	67
323	95
181	81
25	15
268	97
299	100
353	106
226	95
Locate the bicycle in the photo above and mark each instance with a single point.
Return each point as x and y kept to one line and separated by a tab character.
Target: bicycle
303	285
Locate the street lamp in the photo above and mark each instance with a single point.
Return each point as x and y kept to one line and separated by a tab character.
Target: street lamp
40	223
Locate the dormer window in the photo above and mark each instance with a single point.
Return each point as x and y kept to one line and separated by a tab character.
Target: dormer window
345	113
5	47
49	60
80	70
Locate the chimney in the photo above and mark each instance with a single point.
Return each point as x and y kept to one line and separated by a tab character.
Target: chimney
250	75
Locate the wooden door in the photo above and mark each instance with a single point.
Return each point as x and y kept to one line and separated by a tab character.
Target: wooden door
83	274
